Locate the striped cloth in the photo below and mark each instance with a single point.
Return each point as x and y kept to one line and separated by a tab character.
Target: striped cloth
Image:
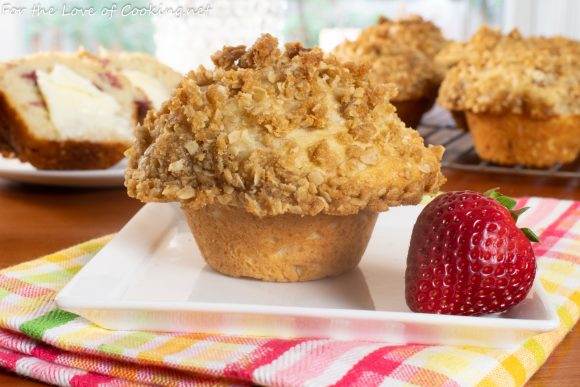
42	342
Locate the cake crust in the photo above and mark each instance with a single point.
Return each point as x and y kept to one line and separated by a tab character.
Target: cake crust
5	147
278	132
6	150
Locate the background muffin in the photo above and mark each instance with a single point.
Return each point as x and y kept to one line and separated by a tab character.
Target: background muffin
289	139
453	52
401	52
521	99
413	31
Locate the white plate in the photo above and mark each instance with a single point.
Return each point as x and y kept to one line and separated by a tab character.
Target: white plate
151	276
15	170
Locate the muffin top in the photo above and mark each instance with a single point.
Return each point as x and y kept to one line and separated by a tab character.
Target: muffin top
399	52
484	39
538	76
278	132
412	31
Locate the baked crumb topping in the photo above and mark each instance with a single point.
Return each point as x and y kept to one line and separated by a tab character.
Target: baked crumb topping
538	76
412	31
279	132
453	52
399	52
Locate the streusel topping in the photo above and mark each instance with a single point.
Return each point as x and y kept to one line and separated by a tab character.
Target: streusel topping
412	31
281	132
398	52
536	76
484	39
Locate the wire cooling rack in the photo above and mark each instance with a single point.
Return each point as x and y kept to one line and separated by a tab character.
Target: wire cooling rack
438	128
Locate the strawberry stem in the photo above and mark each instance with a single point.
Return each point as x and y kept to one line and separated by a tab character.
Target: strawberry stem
510	203
504	200
491	192
530	234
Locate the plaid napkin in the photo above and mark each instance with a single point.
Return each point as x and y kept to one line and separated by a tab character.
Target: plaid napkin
42	342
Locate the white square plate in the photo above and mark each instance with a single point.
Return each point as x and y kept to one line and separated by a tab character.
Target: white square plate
151	276
16	170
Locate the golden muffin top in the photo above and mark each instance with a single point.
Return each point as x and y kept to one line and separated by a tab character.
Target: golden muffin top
399	52
412	31
484	39
538	76
279	132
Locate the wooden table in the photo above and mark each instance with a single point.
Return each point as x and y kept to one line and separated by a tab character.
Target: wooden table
39	220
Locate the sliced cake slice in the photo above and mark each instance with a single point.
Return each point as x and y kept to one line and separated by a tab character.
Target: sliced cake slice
66	111
156	80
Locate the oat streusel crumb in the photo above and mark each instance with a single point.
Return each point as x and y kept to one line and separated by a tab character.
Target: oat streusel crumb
453	52
412	31
279	132
538	76
399	52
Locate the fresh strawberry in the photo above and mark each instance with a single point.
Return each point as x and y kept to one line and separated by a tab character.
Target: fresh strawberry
468	257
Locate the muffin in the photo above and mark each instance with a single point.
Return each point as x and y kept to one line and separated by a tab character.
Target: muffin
401	52
453	52
65	111
449	56
521	98
413	31
281	160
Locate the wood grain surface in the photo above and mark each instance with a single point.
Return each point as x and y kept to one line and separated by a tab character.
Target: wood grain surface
38	220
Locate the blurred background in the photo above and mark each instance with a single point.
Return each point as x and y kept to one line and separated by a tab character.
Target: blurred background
185	41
